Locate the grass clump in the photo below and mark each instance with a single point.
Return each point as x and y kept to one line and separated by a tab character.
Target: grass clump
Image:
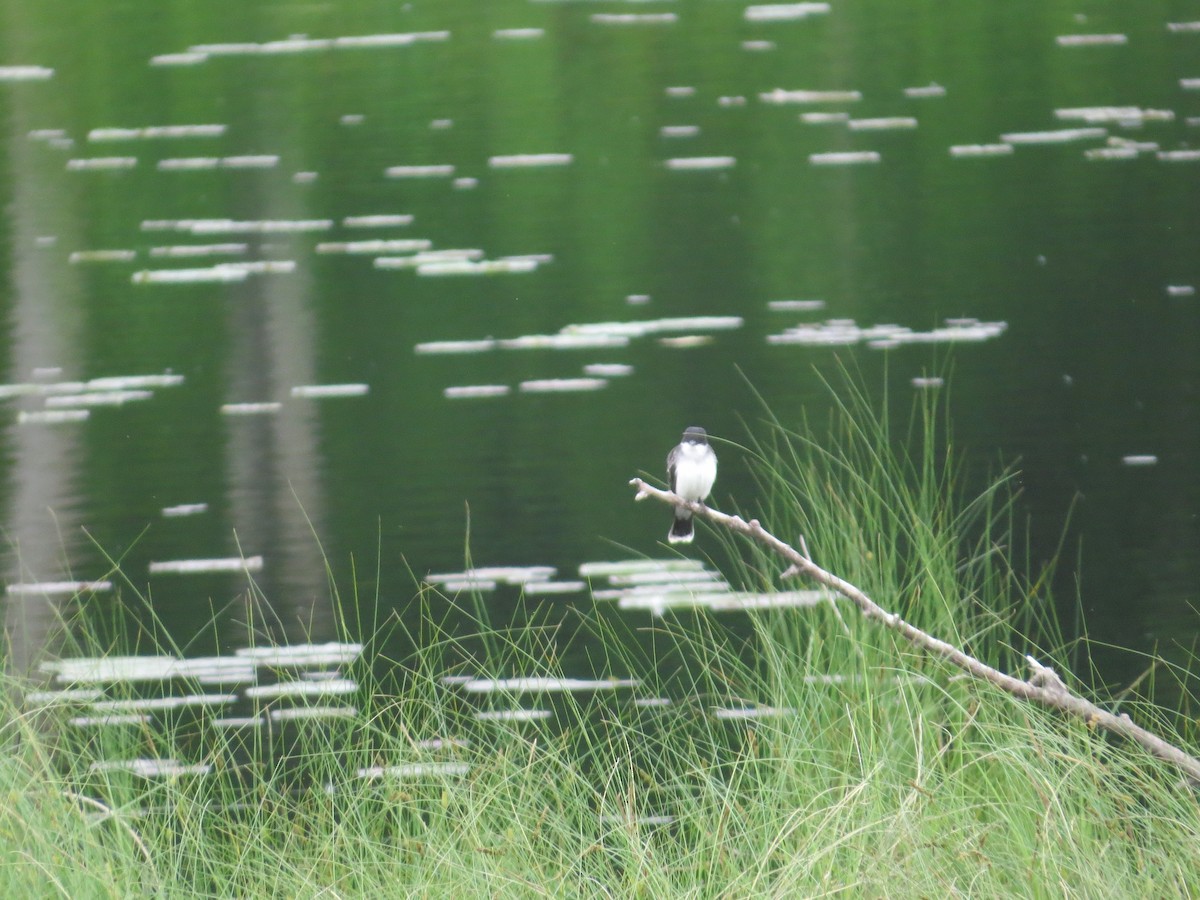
812	754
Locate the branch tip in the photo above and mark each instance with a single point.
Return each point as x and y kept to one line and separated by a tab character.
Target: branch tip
1044	685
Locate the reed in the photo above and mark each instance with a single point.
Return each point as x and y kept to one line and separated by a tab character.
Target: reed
819	755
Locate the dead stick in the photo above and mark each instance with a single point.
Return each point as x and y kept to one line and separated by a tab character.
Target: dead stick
1043	686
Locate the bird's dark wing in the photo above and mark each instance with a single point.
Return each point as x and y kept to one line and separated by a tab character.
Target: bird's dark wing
671	459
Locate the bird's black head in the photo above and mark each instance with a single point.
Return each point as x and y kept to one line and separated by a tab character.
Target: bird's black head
695	435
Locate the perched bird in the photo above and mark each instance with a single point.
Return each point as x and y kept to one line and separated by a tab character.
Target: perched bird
691	471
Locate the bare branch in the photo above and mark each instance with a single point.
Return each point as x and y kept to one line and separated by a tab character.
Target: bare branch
1044	686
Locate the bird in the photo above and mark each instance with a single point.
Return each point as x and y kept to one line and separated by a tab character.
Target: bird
691	471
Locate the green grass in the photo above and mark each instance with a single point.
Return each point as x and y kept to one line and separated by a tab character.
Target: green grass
882	773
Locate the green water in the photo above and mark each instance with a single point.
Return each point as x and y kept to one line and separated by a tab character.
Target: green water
1099	360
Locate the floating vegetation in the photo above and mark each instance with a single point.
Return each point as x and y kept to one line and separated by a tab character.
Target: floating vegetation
114	383
679	131
824	118
645	327
1174	156
311	713
698	163
795	305
783	12
1181	290
1139	459
139	719
653	702
86	256
656	586
98	398
51	416
970	150
927	381
415	770
206	275
925	91
518	34
101	163
533	588
1179	27
262	266
634	18
235	226
537	685
154	132
178	59
1120	115
59	587
187	251
556	385
197	566
1112	153
512	715
481	267
758	46
658	604
64	696
259	408
845	158
126	669
330	653
664	576
330	687
424	257
1056	136
608	370
780	96
745	601
306	45
158	704
628	566
680	90
464	391
151	768
379	220
885	123
1091	40
25	73
57	136
684	341
564	341
843	332
193	163
184	509
530	160
476	346
751	712
426	171
512	575
316	391
645	595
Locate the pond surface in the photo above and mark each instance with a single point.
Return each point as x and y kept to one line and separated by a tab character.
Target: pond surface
292	283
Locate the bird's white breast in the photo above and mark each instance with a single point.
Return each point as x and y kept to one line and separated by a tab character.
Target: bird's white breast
695	471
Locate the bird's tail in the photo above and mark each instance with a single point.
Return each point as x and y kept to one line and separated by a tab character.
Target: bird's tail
682	529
